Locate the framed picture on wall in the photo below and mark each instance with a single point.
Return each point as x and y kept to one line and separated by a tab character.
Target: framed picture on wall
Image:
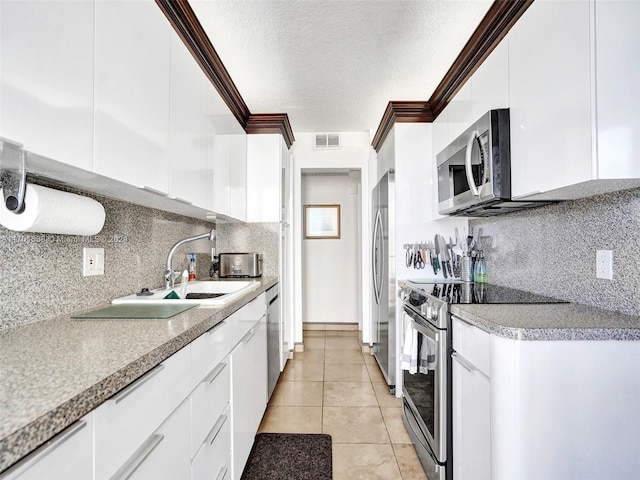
322	221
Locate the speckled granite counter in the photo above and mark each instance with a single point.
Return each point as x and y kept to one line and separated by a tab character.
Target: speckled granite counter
54	372
558	321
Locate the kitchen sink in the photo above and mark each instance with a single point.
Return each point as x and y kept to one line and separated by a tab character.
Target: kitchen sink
213	293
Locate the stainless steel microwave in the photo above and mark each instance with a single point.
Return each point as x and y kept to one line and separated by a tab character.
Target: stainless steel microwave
474	171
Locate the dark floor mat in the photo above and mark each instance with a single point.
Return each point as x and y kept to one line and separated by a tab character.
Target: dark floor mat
289	456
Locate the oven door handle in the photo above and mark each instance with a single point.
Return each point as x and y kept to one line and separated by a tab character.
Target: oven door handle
432	334
467	164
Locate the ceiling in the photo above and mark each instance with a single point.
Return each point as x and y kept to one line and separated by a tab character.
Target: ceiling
333	65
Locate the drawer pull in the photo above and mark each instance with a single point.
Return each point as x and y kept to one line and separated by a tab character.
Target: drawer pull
469	367
249	335
29	461
216	327
138	457
216	429
223	473
154	191
214	373
138	383
465	322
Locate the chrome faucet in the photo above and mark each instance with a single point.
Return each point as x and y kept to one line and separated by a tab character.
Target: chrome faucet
170	274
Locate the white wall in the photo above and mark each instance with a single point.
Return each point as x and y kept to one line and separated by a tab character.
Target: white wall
330	267
354	153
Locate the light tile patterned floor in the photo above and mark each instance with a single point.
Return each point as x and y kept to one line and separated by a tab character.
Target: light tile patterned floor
332	387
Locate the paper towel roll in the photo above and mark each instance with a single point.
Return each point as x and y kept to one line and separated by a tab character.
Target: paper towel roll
52	211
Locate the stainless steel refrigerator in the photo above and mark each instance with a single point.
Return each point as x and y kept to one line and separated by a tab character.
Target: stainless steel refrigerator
383	277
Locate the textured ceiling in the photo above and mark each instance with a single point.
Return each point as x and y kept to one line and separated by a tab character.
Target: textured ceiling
333	66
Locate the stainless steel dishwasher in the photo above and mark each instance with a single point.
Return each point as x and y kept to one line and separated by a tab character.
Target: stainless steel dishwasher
273	337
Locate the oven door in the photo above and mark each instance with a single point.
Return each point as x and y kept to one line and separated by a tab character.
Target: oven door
425	391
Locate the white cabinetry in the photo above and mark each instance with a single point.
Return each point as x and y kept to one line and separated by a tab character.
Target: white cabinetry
564	409
165	454
46	88
132	91
490	84
471	402
190	128
573	76
227	164
265	155
249	390
125	422
52	460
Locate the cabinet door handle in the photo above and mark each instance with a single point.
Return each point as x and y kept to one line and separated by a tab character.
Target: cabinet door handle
223	473
249	335
216	327
215	429
155	191
57	441
182	200
138	457
213	374
138	383
464	363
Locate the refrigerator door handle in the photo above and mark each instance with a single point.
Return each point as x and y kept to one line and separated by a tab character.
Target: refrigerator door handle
377	280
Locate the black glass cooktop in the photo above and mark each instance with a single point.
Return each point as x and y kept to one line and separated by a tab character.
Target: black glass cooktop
475	293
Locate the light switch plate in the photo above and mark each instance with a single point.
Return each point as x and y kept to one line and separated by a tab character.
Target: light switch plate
604	264
92	262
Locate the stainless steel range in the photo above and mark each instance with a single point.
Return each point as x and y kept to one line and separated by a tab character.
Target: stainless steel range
426	362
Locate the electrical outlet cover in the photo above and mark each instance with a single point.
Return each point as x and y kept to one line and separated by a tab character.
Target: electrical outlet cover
604	264
92	262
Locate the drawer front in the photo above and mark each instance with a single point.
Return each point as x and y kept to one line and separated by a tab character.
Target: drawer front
209	349
472	343
213	459
165	454
126	420
208	401
254	310
52	459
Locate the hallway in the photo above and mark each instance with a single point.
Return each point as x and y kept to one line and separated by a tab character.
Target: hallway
333	388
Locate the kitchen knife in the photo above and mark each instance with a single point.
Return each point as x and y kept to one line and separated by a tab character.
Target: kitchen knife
440	258
445	252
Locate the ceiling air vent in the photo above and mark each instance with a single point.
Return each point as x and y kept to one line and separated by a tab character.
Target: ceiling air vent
327	140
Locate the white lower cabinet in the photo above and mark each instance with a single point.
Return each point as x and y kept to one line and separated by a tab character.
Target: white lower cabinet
195	415
249	391
471	402
126	421
51	461
164	454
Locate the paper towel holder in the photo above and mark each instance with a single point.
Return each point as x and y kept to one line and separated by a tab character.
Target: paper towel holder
13	175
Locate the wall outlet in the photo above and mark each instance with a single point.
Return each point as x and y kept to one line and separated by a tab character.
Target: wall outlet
92	262
604	264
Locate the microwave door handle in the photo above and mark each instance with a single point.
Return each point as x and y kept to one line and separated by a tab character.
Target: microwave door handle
467	164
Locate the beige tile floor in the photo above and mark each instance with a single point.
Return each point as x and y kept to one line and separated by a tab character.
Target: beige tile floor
332	387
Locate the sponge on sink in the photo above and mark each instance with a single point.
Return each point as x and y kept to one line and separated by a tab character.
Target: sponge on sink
172	295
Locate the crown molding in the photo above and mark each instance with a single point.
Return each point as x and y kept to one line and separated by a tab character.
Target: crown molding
497	22
184	21
271	123
401	112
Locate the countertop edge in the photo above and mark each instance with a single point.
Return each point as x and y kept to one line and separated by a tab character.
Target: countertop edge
21	442
559	333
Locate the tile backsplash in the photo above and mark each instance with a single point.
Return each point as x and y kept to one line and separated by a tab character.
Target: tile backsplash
42	273
552	250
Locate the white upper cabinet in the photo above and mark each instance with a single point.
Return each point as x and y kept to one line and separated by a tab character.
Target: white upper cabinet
265	154
132	92
47	78
618	79
573	76
190	127
227	166
490	83
459	112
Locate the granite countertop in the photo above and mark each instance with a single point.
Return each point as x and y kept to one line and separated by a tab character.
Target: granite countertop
551	321
54	372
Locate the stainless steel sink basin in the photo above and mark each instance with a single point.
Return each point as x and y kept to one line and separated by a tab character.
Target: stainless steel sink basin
222	291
